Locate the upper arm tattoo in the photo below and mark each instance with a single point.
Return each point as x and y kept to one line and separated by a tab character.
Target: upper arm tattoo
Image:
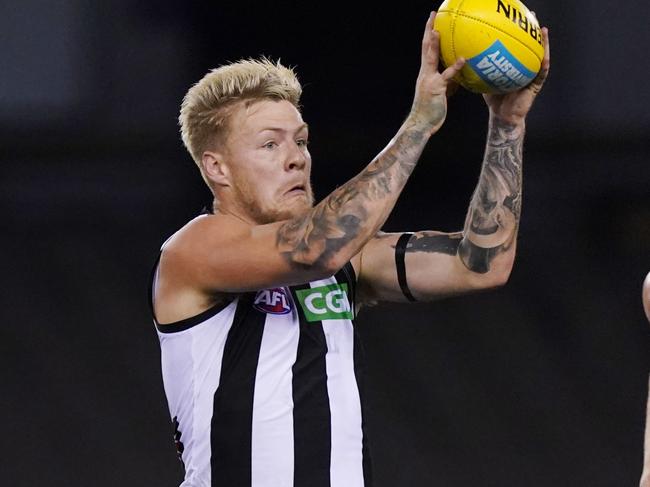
431	242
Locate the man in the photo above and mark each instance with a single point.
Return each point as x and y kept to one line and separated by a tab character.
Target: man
254	303
645	476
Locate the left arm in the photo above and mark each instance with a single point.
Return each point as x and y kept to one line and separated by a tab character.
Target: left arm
440	264
482	255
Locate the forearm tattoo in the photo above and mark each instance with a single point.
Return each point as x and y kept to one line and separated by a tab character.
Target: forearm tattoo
354	212
494	212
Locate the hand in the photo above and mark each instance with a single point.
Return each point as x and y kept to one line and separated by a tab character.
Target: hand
513	107
430	102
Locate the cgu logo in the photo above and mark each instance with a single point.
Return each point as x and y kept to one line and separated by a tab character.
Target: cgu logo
325	302
273	301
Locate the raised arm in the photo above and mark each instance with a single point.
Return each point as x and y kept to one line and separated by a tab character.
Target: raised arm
335	230
436	264
221	253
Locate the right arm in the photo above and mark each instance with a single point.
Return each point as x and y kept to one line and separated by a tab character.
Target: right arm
220	254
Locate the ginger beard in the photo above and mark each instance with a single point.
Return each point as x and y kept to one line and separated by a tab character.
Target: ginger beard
248	199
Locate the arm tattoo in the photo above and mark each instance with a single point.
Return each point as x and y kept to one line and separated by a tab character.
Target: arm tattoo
494	212
433	242
354	212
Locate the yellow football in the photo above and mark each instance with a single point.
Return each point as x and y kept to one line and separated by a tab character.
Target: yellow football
501	41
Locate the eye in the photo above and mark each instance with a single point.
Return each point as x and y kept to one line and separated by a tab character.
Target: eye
270	145
302	142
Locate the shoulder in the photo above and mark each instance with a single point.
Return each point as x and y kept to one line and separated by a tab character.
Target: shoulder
180	289
645	296
189	252
203	229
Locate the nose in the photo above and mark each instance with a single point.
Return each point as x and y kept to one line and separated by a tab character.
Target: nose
297	158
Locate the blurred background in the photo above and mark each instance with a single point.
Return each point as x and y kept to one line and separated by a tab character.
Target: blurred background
541	383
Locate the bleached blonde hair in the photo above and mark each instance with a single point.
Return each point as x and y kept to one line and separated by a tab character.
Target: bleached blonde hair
208	104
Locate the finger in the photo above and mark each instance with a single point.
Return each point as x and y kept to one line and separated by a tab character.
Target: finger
434	49
432	18
546	62
426	37
454	69
547	46
539	80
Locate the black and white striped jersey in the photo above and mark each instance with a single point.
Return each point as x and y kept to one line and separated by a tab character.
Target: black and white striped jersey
265	391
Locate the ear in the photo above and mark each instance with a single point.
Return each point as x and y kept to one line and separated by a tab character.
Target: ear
215	168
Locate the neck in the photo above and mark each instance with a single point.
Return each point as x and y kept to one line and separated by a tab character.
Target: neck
232	210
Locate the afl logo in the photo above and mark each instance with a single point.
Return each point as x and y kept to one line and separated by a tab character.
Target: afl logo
273	301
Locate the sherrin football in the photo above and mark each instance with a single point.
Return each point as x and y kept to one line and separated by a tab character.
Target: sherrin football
501	41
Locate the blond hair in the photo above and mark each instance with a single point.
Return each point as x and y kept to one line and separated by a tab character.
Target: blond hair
207	104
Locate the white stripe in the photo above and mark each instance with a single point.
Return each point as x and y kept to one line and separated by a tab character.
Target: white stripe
272	435
346	468
190	388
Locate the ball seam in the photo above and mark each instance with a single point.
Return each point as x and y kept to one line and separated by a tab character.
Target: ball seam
453	41
462	14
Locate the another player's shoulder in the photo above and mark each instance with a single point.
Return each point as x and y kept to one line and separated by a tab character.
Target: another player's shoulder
646	296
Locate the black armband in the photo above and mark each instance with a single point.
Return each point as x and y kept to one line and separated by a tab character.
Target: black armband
400	250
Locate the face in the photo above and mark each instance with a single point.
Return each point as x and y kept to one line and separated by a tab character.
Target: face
268	162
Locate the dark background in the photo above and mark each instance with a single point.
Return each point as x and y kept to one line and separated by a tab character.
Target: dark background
541	383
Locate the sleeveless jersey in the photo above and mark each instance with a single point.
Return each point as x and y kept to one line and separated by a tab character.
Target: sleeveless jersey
265	391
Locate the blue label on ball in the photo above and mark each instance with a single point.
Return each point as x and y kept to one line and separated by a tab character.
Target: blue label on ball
500	69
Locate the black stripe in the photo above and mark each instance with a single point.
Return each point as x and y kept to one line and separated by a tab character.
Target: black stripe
347	275
232	417
359	372
400	250
312	426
